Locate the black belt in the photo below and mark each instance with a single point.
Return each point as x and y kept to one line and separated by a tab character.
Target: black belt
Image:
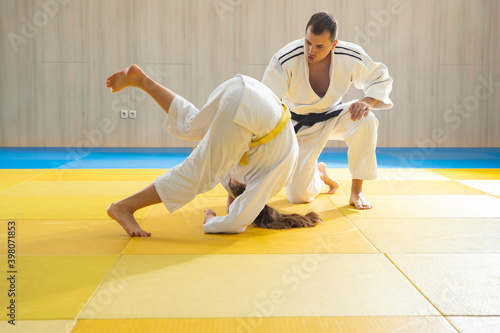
312	118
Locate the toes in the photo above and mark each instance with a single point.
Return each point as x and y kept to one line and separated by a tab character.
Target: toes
364	206
332	190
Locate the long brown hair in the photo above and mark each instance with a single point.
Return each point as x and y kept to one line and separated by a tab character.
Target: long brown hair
270	218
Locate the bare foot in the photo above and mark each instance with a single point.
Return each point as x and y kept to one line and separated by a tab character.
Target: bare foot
325	177
359	201
128	77
126	219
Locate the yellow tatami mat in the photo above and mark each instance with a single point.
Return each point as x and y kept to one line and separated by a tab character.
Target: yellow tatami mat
60	208
424	259
357	324
183	286
457	284
37	326
20	175
485	174
12	177
471	324
491	186
67	237
56	287
432	235
100	175
392	174
182	232
410	187
74	189
422	206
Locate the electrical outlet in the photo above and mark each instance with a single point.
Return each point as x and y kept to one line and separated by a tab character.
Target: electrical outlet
132	114
124	114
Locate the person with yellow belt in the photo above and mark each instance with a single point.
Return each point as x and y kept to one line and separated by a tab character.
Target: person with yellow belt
245	138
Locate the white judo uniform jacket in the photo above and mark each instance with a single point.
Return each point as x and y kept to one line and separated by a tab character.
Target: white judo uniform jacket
239	110
288	77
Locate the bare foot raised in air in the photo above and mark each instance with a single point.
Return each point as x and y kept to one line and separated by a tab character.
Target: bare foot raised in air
358	200
325	177
120	214
132	76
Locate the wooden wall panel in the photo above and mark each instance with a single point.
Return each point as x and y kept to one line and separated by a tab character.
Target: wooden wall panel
266	30
115	28
493	78
66	35
411	54
165	32
62	104
216	45
463	117
464	49
52	91
465	32
17	74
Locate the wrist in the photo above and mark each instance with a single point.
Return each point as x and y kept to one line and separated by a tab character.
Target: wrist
370	101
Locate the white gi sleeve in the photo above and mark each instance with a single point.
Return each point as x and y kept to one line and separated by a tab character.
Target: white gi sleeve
183	120
276	78
373	78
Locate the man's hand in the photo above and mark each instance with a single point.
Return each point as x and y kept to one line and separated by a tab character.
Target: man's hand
209	214
361	108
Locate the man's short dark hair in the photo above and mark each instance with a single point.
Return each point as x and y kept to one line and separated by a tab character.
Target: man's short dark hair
321	22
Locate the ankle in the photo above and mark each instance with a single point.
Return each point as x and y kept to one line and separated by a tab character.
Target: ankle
123	206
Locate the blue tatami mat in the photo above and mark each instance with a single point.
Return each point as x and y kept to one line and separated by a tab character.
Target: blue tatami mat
165	158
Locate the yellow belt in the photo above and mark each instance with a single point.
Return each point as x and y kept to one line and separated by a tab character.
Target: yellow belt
285	117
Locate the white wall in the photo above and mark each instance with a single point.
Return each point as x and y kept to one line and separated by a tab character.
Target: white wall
56	54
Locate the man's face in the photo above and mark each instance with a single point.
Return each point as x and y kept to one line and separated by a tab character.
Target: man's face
318	46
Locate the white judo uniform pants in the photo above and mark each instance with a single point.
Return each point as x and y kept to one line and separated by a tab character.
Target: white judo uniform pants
361	139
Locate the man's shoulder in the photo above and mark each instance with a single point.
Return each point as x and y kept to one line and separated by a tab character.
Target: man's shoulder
290	51
351	50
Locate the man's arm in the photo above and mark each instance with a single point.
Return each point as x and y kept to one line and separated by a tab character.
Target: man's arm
373	78
362	108
275	78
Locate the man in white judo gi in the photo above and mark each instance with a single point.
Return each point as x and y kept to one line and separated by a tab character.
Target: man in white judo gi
245	136
311	75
